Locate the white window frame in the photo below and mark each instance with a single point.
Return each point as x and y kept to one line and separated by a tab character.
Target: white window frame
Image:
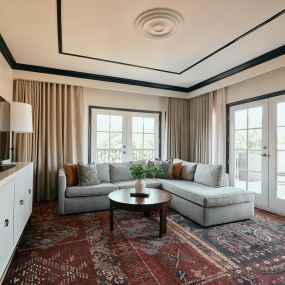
127	129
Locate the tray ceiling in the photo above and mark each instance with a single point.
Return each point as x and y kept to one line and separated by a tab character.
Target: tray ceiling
180	43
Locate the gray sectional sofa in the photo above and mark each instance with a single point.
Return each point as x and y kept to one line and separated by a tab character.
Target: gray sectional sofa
203	195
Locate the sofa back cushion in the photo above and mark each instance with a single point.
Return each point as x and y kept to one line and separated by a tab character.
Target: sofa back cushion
103	172
188	171
121	171
210	175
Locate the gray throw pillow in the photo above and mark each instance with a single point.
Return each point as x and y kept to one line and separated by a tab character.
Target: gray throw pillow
167	167
188	171
103	170
120	171
210	175
87	174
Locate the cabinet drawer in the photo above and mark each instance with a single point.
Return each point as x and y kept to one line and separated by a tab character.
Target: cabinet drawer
6	224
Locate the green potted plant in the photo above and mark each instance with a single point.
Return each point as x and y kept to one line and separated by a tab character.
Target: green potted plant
140	171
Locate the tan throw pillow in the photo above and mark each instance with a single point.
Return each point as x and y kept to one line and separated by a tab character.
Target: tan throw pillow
71	173
177	170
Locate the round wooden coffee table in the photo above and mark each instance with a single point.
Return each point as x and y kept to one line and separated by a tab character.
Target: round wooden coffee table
158	200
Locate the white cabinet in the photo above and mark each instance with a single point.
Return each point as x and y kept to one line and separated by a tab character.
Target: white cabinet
16	200
6	224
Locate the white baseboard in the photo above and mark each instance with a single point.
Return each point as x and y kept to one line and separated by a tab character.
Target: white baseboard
270	210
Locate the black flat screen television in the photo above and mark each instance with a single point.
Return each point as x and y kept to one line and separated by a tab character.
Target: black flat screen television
4	129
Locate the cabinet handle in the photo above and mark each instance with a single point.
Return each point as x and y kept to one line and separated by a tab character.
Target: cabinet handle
30	191
21	202
6	223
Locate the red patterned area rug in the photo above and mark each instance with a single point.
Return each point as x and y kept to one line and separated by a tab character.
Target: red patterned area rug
79	249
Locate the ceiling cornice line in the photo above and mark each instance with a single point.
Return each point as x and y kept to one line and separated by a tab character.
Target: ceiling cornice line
60	45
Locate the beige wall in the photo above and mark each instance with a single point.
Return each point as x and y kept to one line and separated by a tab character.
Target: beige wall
114	99
267	83
6	80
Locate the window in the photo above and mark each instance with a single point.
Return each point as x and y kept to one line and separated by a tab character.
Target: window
123	135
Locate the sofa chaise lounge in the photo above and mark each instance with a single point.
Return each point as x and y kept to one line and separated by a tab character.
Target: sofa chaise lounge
202	195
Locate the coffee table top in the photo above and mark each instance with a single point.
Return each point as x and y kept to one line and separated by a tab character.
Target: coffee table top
156	196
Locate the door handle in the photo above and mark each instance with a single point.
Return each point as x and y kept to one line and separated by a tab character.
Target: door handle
21	202
264	154
6	223
29	191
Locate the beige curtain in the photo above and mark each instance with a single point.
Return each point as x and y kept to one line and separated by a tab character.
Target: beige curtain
57	131
178	128
196	128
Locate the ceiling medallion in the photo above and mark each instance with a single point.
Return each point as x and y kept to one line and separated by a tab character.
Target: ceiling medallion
159	23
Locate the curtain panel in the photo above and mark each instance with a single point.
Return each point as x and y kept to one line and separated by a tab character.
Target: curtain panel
197	128
178	133
57	131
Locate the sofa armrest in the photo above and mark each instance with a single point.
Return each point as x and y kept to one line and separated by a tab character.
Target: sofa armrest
61	191
226	180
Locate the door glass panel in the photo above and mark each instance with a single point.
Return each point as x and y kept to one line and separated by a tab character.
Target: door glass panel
103	140
137	125
103	122
149	125
254	181
137	141
255	139
240	178
241	159
281	114
281	174
254	160
255	117
281	138
241	139
116	124
241	119
116	140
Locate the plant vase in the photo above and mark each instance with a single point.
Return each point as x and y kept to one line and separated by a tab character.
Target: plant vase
140	186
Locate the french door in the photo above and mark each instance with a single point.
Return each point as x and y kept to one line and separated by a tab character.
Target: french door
118	136
257	151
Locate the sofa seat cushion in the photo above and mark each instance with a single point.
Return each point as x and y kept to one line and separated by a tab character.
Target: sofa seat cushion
206	196
93	190
150	183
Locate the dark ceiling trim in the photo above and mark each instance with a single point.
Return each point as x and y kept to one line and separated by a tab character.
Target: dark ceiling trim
91	76
59	28
249	64
6	52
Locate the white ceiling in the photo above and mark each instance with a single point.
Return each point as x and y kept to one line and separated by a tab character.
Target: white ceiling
105	30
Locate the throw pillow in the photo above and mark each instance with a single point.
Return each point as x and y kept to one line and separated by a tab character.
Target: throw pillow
177	170
167	167
71	173
87	174
210	175
188	171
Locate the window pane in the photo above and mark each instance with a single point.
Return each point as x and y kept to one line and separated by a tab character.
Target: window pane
281	138
254	160
241	159
137	141
240	178
102	156
241	119
103	122
254	181
280	114
137	123
255	139
149	125
115	156
102	140
255	117
116	123
148	141
240	139
116	140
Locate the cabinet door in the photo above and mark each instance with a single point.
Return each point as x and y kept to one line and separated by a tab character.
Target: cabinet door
6	224
19	206
29	192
